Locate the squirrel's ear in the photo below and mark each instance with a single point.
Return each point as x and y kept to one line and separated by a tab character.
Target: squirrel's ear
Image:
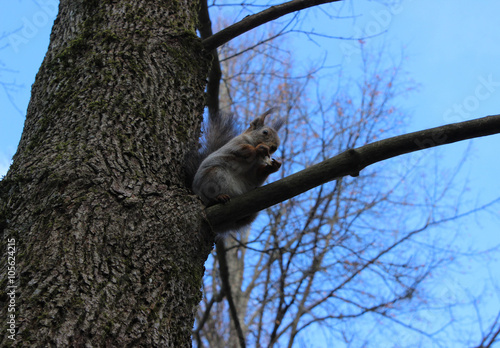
278	123
259	121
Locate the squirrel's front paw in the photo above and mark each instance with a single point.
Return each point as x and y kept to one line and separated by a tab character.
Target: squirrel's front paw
223	198
276	164
262	150
271	167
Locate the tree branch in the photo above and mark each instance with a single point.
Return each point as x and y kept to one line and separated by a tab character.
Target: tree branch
350	162
226	287
215	74
250	22
206	315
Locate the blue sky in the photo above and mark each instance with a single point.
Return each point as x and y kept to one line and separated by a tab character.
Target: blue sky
453	54
453	51
24	38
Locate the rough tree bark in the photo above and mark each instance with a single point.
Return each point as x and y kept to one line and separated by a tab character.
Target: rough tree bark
108	251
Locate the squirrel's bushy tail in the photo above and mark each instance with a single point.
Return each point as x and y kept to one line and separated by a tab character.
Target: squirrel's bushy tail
221	128
218	130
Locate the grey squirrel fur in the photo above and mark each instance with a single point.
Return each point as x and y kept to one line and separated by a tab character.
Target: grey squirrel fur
232	164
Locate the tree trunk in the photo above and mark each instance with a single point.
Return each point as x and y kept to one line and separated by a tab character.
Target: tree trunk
108	249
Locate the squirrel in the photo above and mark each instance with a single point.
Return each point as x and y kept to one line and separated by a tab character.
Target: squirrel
232	164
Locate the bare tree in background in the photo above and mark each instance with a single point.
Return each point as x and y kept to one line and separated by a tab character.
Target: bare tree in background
341	255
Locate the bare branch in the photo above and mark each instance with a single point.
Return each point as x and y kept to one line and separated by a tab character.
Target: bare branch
206	315
250	22
349	162
205	28
226	286
492	336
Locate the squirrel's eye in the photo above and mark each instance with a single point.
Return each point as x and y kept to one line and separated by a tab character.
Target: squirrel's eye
265	132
